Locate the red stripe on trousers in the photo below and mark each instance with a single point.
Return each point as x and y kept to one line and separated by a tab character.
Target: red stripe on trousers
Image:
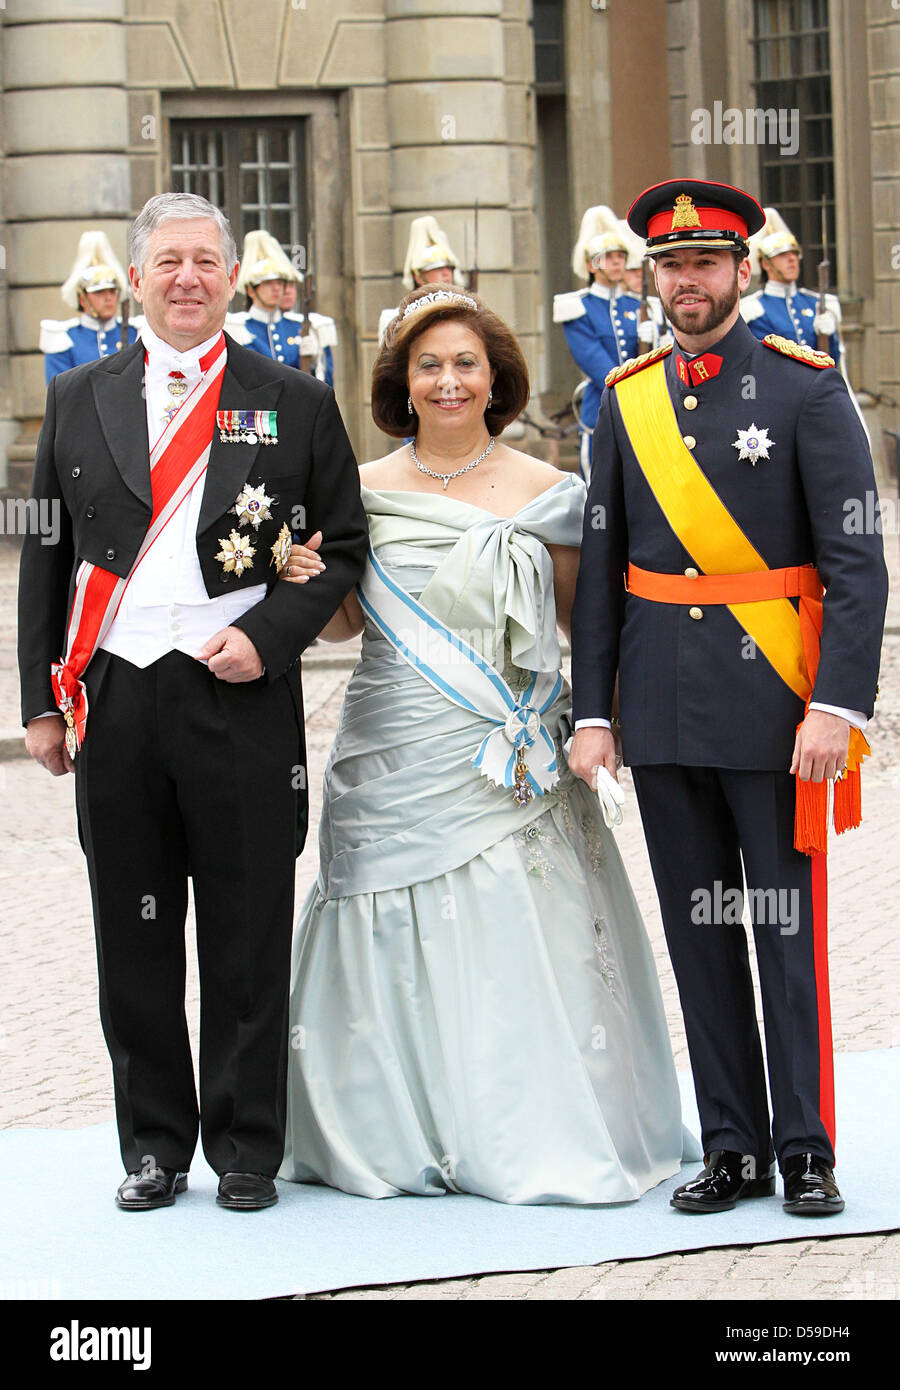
819	869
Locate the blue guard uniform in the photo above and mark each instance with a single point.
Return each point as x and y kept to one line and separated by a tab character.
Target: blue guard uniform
601	321
273	335
783	307
96	286
284	337
601	326
70	342
789	311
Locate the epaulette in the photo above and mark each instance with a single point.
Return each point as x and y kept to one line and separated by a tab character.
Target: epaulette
235	326
752	308
55	334
637	364
386	317
799	351
323	326
568	306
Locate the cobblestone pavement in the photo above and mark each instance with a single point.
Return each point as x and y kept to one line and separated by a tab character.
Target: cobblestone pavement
56	1070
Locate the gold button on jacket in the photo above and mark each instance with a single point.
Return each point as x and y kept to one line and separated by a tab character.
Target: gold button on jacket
696	612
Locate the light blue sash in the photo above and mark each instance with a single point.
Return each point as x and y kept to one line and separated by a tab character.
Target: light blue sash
454	668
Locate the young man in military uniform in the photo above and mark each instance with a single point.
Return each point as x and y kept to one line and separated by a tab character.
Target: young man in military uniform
96	286
781	306
721	474
601	321
429	261
319	328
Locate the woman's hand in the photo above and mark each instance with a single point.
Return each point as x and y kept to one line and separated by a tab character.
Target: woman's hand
303	562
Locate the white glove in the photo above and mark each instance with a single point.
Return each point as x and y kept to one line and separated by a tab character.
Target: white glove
309	346
647	332
825	323
611	798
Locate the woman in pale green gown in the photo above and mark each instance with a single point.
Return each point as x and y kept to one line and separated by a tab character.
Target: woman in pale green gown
474	1002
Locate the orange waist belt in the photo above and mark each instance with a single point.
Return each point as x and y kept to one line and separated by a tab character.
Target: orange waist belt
796	581
754	587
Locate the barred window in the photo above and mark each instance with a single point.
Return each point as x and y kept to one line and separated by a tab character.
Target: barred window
255	171
793	73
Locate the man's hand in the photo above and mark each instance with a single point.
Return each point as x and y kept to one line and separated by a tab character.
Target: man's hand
592	748
231	656
45	740
820	749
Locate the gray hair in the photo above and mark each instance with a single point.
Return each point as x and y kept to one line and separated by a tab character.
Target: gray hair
178	207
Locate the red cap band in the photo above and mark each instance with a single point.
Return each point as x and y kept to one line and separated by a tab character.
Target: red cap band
710	219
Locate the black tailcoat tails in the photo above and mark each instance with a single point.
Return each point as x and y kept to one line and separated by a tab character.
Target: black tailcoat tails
181	774
709	726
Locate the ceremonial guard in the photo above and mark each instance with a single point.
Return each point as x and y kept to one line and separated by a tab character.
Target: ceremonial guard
601	321
781	306
746	638
429	261
638	280
270	326
96	286
319	328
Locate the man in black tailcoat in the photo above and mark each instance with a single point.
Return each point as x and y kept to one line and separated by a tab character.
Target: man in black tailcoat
158	628
727	456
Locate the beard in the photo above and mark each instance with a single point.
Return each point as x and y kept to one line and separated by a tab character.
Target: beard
699	322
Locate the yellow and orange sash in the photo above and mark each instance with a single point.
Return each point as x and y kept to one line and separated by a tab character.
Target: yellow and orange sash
789	639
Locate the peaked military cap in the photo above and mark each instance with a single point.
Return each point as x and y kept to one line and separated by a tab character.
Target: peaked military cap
694	212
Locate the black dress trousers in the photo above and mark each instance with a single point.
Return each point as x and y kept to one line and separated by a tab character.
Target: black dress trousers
181	774
702	825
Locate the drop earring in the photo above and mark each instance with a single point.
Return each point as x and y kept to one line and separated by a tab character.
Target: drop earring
409	405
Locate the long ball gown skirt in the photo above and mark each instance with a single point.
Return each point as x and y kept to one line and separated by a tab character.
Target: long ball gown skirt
474	1002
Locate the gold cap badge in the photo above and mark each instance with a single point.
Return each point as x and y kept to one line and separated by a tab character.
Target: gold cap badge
684	213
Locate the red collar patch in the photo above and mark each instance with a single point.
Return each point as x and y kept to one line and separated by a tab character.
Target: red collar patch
699	369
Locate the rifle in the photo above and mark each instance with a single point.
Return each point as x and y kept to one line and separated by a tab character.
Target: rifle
822	341
308	364
473	273
646	314
126	310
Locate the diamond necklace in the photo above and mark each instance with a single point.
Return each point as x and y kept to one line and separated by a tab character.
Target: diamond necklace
446	477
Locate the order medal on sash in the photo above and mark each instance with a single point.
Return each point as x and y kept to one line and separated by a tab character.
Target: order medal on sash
177	388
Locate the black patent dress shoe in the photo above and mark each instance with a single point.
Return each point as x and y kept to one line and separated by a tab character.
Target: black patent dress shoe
246	1191
723	1183
809	1187
147	1191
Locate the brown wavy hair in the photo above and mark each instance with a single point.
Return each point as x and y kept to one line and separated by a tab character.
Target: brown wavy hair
390	375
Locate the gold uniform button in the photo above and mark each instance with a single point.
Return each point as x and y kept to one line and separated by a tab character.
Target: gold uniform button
690	441
690	402
695	612
691	573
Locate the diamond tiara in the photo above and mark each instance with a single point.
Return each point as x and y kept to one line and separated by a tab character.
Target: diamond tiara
439	297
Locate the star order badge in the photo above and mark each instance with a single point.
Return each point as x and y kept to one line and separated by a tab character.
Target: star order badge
236	554
251	506
753	444
281	550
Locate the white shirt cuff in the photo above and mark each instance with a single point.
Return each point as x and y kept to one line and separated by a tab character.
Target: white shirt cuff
592	724
853	716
